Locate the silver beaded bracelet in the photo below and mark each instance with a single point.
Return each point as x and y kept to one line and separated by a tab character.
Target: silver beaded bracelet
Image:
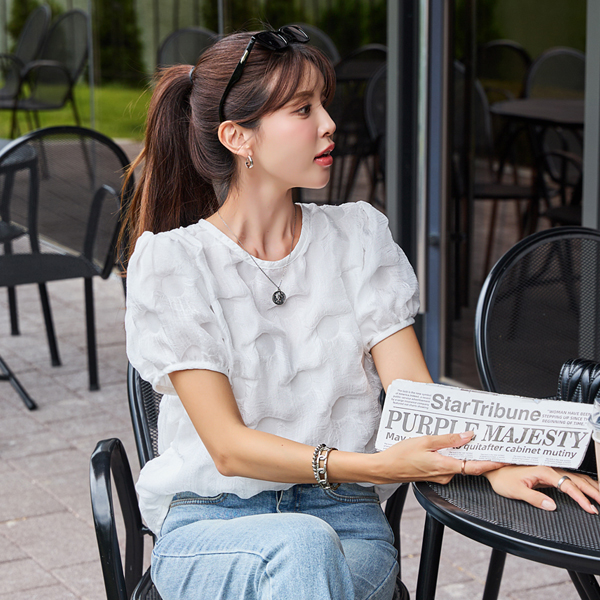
319	465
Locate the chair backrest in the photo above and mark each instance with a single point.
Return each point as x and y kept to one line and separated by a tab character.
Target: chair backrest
347	108
71	197
321	40
67	42
376	103
144	405
482	123
184	46
33	34
28	47
538	308
557	73
502	66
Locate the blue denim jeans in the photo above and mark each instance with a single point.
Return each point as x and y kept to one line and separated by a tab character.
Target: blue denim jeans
304	543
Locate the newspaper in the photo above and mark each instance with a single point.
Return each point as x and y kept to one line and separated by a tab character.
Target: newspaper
510	429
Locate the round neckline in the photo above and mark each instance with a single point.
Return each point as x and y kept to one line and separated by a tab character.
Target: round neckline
265	264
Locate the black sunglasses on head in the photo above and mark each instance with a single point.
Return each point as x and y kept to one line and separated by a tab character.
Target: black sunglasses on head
273	40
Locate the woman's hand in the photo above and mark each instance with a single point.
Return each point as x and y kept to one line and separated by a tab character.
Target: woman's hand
418	459
520	483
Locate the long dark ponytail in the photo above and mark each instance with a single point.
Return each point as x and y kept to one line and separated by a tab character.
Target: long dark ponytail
186	171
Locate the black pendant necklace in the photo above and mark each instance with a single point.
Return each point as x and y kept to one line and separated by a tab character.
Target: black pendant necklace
278	296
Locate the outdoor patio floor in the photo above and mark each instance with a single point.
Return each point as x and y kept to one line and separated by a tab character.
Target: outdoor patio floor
47	543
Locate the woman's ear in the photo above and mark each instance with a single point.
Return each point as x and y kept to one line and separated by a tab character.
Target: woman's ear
235	138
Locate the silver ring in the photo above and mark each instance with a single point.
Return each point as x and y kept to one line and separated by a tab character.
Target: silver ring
562	480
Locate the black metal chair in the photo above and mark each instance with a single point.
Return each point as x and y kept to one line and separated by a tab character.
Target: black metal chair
184	46
490	182
560	73
124	579
321	40
375	116
353	143
28	46
502	66
67	201
47	83
539	307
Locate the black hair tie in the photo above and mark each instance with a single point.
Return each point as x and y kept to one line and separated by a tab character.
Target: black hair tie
192	75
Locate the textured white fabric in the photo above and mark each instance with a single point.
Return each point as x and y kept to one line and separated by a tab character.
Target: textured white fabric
303	370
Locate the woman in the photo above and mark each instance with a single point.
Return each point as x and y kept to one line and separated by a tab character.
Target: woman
270	327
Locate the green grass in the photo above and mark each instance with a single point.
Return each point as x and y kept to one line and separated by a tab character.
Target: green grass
120	112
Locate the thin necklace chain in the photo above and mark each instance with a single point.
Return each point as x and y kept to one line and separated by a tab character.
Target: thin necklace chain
282	294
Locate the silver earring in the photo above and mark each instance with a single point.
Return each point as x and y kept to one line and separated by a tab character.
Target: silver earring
249	162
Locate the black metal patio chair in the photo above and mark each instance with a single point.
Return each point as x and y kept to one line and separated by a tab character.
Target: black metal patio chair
28	47
321	40
353	144
502	67
375	117
538	308
47	83
560	73
489	179
67	201
184	46
126	580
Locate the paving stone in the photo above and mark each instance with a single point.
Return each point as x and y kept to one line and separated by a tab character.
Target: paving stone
68	409
54	541
520	574
9	551
48	592
34	443
460	591
60	461
563	591
96	426
84	580
448	572
29	501
21	575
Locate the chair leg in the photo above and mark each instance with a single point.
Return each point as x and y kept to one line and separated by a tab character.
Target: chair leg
7	375
490	240
91	335
50	334
429	564
75	112
494	575
586	585
14	124
393	512
12	309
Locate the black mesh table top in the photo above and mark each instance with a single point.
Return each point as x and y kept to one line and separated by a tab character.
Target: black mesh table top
568	537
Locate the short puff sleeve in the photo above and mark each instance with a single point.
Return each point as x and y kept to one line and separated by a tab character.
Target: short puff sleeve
169	323
388	293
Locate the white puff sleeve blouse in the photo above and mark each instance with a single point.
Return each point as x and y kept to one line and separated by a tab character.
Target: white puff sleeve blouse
302	370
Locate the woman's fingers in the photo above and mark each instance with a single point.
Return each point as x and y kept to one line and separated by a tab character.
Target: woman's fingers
575	487
479	467
449	440
535	498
